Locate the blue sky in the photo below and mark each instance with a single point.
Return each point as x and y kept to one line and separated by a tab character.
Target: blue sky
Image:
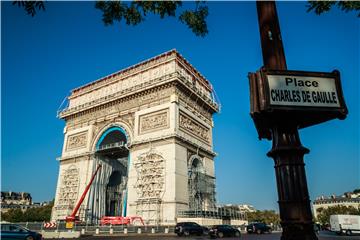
66	46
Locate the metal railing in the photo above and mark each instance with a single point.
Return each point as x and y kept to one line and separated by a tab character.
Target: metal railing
112	145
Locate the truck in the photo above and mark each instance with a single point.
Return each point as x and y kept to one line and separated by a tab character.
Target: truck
345	224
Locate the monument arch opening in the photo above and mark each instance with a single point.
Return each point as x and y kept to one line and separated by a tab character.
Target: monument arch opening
111	151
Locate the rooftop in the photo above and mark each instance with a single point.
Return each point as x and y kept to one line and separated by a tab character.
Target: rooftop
110	78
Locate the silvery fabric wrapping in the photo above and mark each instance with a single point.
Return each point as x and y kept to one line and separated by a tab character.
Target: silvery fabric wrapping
97	195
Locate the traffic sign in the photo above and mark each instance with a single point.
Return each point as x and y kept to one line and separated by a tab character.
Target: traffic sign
50	225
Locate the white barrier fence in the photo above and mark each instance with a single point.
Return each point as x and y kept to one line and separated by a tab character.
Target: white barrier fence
99	229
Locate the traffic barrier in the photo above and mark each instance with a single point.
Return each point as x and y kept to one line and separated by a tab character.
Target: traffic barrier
98	230
49	224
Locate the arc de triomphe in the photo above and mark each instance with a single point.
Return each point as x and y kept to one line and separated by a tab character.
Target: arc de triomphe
150	127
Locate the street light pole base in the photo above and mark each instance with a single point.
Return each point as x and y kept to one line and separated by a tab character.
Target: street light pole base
294	201
298	232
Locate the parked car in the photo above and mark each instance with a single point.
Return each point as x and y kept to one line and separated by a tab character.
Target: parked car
189	228
223	231
258	228
14	231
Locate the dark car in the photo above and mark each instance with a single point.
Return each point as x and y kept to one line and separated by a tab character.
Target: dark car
13	231
258	228
223	231
189	228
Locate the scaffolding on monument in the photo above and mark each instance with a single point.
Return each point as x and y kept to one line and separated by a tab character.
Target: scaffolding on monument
224	213
150	185
201	188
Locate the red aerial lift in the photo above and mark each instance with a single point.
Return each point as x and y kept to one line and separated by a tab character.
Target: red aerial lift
72	218
118	220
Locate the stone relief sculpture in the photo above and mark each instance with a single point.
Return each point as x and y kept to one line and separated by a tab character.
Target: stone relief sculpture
193	127
150	185
76	141
150	168
154	121
69	188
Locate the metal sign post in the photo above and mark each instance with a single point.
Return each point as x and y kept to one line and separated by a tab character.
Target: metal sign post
281	102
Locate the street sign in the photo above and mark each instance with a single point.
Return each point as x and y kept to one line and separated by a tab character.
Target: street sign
304	98
292	90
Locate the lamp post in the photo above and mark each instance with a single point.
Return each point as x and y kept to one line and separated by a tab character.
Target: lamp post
287	151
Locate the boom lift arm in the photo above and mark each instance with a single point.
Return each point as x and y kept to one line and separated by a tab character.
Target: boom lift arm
72	217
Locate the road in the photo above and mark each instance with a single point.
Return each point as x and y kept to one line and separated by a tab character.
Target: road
273	236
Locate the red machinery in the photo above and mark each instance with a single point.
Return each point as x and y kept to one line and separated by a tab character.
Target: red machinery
72	218
113	220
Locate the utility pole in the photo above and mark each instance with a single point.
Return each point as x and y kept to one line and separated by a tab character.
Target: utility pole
287	151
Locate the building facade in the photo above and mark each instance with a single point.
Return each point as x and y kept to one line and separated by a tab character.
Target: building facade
15	200
347	200
150	128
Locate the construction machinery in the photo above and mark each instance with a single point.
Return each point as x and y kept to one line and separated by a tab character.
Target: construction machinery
118	220
73	218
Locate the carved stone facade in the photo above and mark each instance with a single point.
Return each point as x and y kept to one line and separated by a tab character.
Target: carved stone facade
68	193
154	121
140	124
150	170
193	127
76	141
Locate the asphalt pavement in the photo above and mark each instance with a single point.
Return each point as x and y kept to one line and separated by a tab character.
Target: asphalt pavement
273	236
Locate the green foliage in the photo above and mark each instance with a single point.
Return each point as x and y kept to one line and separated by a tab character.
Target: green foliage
135	12
13	215
356	191
324	213
320	7
266	216
30	6
195	20
39	214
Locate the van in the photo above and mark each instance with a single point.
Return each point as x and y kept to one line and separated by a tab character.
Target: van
347	224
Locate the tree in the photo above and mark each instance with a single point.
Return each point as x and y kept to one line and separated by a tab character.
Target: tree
135	12
30	6
324	215
13	215
266	216
39	214
320	7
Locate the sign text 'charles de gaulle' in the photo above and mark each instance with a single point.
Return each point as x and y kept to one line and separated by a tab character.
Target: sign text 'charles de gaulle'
290	90
297	97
